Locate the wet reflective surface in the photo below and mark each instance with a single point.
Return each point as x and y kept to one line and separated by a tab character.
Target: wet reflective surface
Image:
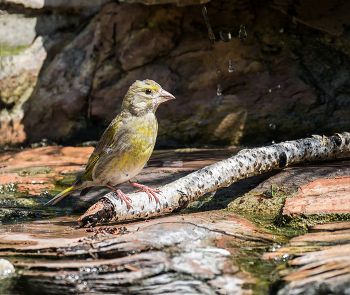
52	255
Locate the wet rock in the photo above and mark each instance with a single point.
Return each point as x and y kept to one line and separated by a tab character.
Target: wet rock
323	200
6	268
322	196
31	177
335	12
318	237
320	261
271	193
320	272
189	254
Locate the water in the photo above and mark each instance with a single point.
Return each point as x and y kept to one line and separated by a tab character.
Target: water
272	126
225	35
281	30
274	88
230	66
206	19
219	90
242	35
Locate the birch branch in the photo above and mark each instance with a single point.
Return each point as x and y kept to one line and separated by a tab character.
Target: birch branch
176	196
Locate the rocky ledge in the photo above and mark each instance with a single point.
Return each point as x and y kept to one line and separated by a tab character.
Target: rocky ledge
260	235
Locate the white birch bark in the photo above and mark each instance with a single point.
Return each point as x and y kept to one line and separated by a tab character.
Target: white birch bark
175	196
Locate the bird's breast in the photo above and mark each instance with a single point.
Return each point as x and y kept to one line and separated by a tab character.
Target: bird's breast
132	150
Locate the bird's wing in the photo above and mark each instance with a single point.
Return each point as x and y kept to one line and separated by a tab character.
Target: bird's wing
107	140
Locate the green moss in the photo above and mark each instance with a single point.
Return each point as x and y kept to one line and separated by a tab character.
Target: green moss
253	203
28	171
9	197
67	180
304	221
6	50
8	188
64	183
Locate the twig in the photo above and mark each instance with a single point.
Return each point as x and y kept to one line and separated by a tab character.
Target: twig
247	163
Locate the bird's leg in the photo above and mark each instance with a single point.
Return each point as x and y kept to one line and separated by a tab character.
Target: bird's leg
144	188
121	195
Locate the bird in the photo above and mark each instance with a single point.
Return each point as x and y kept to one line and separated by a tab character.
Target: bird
126	144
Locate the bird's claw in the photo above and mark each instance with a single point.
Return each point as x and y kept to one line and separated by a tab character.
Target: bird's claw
124	198
151	193
121	195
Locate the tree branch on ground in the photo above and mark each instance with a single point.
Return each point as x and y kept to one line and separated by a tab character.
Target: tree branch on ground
176	196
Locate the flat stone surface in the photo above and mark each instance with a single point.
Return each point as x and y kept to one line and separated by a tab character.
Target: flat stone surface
36	171
319	237
321	261
191	253
294	177
321	272
184	254
321	197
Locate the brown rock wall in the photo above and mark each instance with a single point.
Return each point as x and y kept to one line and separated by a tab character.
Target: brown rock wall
288	80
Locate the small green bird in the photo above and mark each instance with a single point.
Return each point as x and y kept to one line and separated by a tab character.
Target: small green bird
126	144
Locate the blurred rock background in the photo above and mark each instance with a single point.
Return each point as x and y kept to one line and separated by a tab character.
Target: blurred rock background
66	66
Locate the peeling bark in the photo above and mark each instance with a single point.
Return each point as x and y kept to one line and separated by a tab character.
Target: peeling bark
247	163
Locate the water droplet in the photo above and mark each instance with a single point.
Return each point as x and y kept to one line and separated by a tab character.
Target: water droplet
270	90
230	66
218	72
206	19
281	30
273	142
219	90
242	35
225	35
272	126
278	86
282	43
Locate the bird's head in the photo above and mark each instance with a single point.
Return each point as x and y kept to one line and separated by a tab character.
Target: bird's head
144	97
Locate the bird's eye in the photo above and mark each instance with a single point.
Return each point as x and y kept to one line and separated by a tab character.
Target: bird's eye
148	91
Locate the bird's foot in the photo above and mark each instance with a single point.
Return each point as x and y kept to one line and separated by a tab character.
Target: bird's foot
122	196
151	193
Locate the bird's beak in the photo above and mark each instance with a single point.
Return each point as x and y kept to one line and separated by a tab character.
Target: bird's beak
165	95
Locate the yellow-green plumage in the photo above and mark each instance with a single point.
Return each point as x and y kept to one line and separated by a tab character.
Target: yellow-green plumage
127	143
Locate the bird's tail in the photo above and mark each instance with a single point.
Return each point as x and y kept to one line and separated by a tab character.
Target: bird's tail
61	195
